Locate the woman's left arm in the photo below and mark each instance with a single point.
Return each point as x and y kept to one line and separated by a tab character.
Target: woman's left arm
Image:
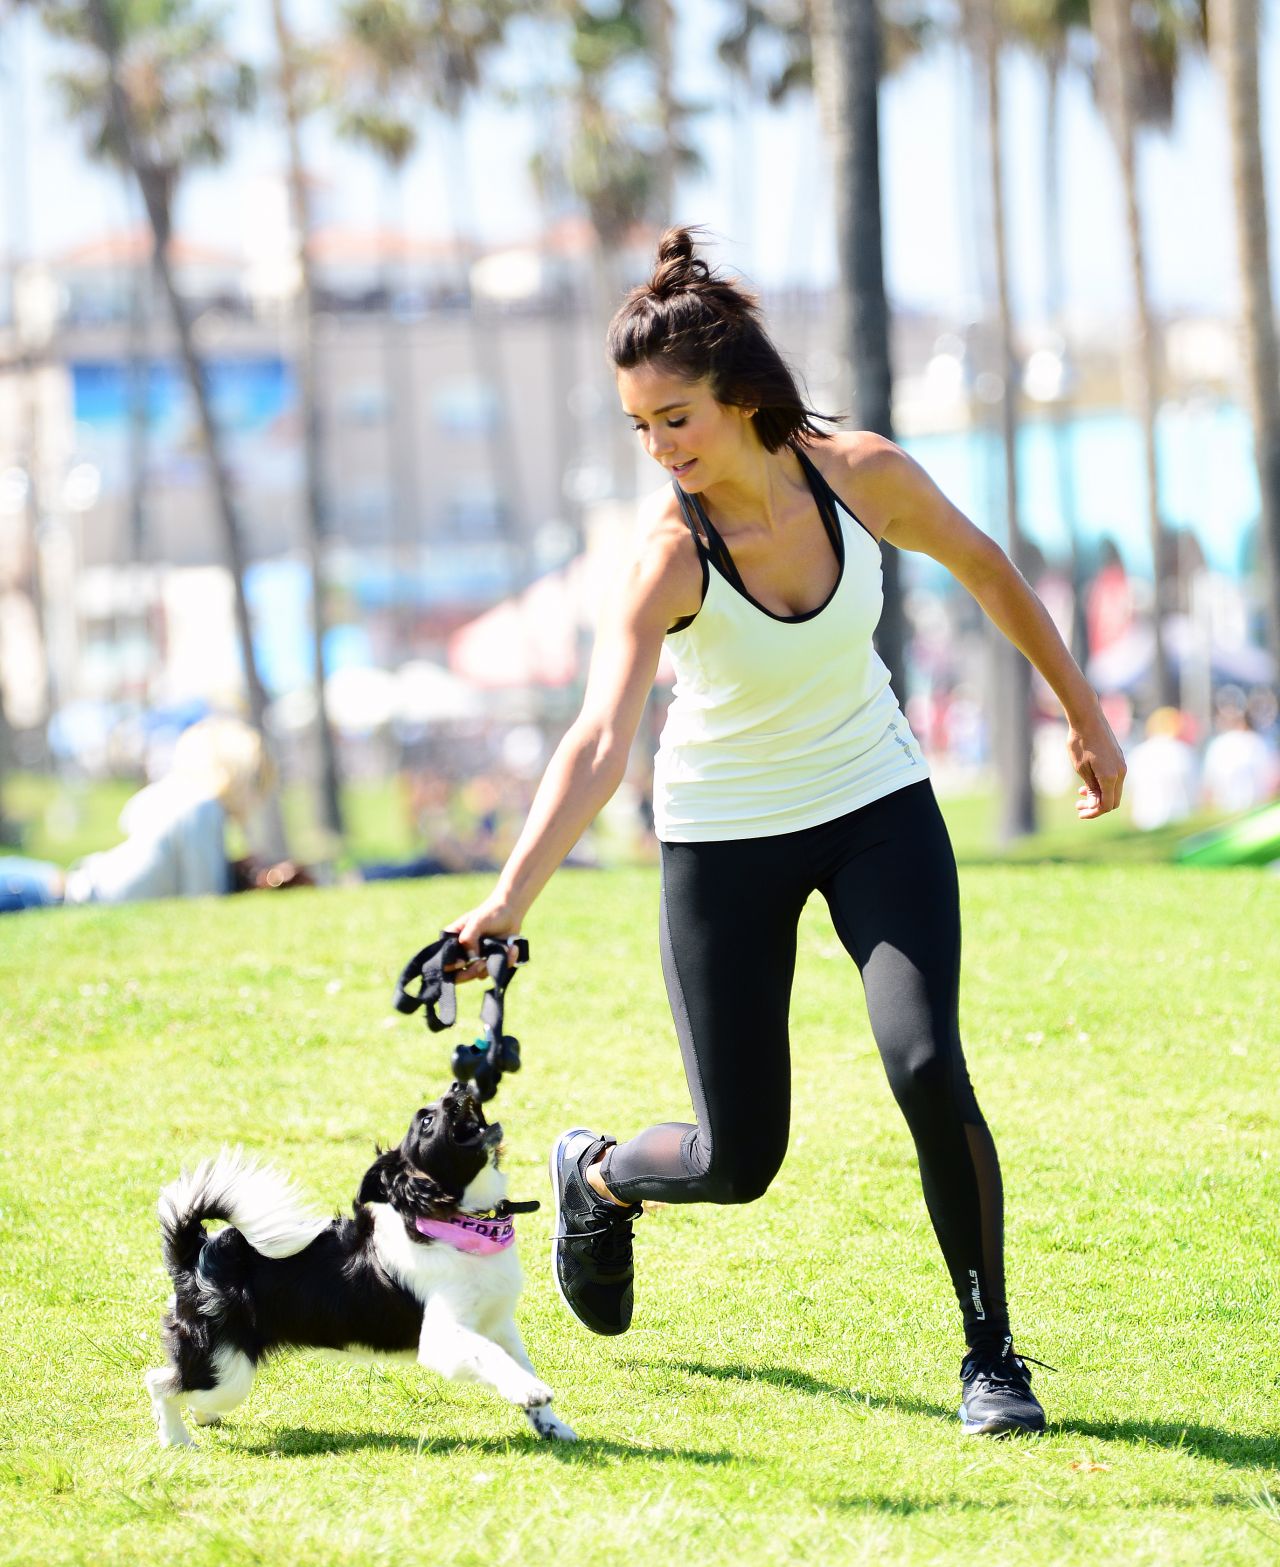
914	514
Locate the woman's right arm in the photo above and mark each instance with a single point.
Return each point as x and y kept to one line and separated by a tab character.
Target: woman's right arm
663	585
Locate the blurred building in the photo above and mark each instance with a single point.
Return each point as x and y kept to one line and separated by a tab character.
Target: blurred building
469	429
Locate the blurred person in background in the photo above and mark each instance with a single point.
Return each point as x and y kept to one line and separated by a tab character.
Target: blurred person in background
175	830
1109	602
1164	775
1263	712
786	767
1241	767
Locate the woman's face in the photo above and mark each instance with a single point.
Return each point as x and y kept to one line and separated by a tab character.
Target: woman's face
682	427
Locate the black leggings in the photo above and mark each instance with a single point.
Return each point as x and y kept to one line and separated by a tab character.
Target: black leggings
729	917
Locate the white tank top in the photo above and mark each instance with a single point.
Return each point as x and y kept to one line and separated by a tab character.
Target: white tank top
779	722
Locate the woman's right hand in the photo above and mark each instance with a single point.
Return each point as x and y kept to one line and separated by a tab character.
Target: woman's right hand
494	917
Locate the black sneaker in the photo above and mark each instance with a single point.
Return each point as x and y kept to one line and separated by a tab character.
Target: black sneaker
591	1240
997	1393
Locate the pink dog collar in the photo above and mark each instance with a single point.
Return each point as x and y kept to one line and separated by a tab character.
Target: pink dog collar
469	1232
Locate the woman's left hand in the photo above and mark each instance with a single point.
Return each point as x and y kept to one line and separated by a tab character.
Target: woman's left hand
1096	755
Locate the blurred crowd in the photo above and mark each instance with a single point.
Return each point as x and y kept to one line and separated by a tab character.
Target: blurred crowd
1174	772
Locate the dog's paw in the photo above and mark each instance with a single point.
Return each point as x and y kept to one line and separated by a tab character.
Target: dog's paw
550	1426
534	1395
175	1437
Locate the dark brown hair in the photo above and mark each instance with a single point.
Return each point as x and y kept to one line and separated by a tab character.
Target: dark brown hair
701	325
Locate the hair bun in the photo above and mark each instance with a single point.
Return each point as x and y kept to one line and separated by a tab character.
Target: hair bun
678	268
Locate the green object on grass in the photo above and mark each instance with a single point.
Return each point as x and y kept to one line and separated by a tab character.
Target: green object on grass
1248	840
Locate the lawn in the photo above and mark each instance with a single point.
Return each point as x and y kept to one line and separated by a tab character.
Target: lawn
788	1391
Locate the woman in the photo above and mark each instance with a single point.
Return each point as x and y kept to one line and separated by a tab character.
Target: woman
785	767
175	843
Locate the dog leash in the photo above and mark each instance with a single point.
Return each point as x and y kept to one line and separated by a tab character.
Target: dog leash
485	1060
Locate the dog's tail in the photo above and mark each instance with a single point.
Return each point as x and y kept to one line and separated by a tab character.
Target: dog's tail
263	1204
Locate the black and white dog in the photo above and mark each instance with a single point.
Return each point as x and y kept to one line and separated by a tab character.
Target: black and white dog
425	1268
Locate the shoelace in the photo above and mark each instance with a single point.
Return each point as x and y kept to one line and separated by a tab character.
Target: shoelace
1006	1370
610	1241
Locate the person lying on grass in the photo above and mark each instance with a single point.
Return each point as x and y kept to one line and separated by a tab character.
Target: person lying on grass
175	832
786	766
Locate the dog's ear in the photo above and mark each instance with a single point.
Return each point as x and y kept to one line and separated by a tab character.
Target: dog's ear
389	1180
420	1195
376	1186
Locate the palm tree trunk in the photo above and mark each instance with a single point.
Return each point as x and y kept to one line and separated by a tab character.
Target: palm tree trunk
330	793
156	196
1061	411
9	835
1114	26
401	430
661	30
33	506
275	844
27	367
139	376
486	357
847	56
1235	26
1013	673
138	398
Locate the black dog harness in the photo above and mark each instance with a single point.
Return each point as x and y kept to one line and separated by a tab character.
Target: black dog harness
433	968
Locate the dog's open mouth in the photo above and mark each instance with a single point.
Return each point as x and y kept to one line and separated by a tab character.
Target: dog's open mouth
469	1129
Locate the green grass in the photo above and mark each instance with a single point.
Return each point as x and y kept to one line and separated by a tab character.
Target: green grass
788	1391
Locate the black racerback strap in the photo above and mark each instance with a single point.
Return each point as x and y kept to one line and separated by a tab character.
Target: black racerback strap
825	499
716	550
822	491
691	522
713	551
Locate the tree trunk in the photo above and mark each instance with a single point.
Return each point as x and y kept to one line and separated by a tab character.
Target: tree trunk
156	196
847	56
33	506
486	358
1235	26
398	377
1013	673
138	545
662	24
1116	63
18	72
330	793
1055	308
9	835
139	389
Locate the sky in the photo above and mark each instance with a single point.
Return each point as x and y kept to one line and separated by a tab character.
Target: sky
763	187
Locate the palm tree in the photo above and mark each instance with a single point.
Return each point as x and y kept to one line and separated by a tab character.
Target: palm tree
1139	47
1013	674
1235	37
316	509
607	164
139	352
847	36
619	158
436	50
1047	28
156	102
371	60
27	364
661	26
842	50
